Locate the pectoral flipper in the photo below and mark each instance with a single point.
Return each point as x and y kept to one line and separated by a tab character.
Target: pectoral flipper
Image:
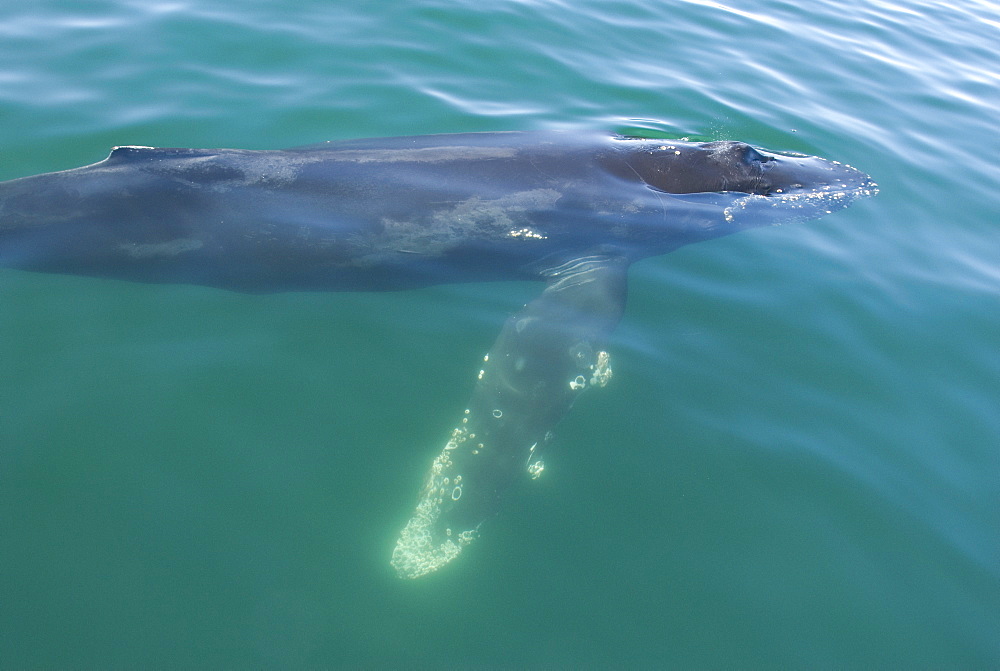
546	355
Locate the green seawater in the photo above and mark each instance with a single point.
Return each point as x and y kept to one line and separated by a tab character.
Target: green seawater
796	465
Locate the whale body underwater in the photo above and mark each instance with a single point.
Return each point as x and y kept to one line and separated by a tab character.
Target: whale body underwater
572	210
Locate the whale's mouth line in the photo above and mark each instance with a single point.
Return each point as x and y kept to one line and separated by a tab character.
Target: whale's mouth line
792	191
800	204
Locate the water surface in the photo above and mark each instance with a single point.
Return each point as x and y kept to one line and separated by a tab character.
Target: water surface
796	464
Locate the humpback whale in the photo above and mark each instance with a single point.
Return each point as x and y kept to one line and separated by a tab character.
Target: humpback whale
572	210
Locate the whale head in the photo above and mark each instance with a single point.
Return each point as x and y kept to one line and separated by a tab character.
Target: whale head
708	189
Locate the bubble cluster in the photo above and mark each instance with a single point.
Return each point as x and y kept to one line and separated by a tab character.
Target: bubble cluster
601	370
600	374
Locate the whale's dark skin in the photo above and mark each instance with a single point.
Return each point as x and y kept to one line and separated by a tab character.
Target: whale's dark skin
572	210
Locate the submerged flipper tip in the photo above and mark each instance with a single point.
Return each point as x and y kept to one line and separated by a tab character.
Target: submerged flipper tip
421	548
425	544
545	357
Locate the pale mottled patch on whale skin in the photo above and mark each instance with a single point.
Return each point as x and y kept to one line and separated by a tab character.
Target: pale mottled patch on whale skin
454	224
161	249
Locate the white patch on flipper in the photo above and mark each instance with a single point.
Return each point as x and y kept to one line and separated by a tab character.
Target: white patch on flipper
417	551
